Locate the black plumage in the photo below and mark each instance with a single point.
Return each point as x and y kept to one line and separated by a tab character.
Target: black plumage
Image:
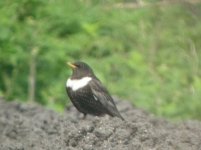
90	96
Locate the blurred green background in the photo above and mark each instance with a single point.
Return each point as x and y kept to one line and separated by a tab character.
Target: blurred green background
145	51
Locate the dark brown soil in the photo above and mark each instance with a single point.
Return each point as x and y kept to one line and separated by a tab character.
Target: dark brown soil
32	127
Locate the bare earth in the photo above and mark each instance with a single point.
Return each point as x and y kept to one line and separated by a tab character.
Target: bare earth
32	127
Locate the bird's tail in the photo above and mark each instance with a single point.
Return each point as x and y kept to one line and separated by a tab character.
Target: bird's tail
117	114
113	111
120	116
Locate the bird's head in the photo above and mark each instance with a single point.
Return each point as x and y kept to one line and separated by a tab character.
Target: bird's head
80	70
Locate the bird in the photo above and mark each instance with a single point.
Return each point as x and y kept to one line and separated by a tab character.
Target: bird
87	92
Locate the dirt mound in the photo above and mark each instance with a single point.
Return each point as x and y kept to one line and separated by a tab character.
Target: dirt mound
31	127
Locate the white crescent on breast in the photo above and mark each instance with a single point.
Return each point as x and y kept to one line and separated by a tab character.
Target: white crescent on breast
76	84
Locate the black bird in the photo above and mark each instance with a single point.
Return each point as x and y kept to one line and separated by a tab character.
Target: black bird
88	94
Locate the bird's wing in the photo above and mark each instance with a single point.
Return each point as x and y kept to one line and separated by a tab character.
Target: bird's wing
101	94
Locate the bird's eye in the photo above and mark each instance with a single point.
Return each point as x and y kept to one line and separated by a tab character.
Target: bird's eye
77	65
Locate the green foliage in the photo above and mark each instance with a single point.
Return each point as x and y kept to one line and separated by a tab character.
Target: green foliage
149	55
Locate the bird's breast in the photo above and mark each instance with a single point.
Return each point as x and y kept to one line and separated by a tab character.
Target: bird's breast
76	84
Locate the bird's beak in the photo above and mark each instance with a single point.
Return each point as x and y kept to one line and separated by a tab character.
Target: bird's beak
71	65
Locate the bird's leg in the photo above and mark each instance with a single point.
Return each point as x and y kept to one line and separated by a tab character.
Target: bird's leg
84	116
